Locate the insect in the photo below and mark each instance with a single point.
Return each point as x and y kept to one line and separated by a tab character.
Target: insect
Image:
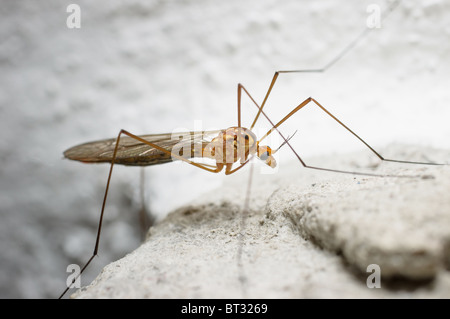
230	149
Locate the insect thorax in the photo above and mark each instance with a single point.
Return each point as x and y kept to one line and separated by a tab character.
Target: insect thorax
231	145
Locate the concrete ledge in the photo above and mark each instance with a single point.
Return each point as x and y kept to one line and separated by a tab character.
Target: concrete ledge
307	234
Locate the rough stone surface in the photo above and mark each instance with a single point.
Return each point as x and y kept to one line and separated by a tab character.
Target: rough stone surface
152	66
306	234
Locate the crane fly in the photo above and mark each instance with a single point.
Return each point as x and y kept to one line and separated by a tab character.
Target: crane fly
230	149
223	146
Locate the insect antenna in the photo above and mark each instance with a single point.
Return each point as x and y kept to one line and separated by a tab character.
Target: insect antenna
284	143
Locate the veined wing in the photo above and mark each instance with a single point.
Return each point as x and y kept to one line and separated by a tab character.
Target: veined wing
136	153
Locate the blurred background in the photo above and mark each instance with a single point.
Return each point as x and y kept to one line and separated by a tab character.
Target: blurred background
159	65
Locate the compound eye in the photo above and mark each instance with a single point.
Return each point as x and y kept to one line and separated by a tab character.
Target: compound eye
264	155
247	137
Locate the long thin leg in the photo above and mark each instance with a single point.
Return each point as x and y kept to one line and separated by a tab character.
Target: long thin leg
308	100
300	106
146	219
244	216
217	169
339	56
229	171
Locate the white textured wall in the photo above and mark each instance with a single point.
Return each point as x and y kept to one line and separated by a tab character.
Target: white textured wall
152	66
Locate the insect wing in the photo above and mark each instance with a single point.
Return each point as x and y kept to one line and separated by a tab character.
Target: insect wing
136	153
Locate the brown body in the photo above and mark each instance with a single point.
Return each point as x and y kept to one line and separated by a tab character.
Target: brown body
225	147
